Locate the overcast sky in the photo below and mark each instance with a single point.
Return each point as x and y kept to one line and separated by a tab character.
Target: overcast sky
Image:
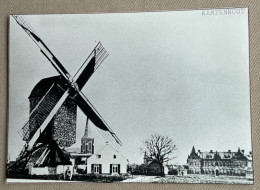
181	74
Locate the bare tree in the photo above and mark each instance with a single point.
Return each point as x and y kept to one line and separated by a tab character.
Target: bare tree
159	148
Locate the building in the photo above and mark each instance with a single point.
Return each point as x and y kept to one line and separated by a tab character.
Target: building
150	166
249	167
107	161
219	163
179	170
84	152
87	143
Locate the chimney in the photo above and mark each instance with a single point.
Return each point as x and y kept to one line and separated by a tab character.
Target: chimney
211	151
229	151
243	151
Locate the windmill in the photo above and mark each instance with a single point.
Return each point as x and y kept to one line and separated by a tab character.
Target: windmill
54	101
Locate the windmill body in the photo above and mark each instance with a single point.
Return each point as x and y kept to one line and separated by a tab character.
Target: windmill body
62	128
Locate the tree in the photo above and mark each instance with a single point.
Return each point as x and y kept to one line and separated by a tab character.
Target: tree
159	147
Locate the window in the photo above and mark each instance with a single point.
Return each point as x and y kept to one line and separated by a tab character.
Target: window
89	146
96	168
115	168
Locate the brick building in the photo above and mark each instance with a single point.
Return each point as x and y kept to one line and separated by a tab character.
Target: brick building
220	163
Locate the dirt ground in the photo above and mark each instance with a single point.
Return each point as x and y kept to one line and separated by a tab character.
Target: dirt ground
158	179
191	179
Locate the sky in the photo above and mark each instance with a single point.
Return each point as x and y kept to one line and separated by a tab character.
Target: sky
181	74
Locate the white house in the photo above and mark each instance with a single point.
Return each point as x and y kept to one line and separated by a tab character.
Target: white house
107	161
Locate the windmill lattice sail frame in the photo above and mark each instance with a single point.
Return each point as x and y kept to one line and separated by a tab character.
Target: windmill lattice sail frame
71	89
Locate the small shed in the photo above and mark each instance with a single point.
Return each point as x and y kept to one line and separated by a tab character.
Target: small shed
152	167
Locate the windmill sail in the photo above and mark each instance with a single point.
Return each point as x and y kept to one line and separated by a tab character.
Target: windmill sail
74	85
43	47
94	116
45	123
96	57
41	111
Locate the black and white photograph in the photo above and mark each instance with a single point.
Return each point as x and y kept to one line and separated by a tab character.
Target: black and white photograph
140	97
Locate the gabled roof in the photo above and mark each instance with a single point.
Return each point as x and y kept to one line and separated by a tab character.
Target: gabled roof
216	155
104	149
149	163
239	155
193	154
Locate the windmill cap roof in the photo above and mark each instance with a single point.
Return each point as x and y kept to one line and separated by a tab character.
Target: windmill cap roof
44	85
